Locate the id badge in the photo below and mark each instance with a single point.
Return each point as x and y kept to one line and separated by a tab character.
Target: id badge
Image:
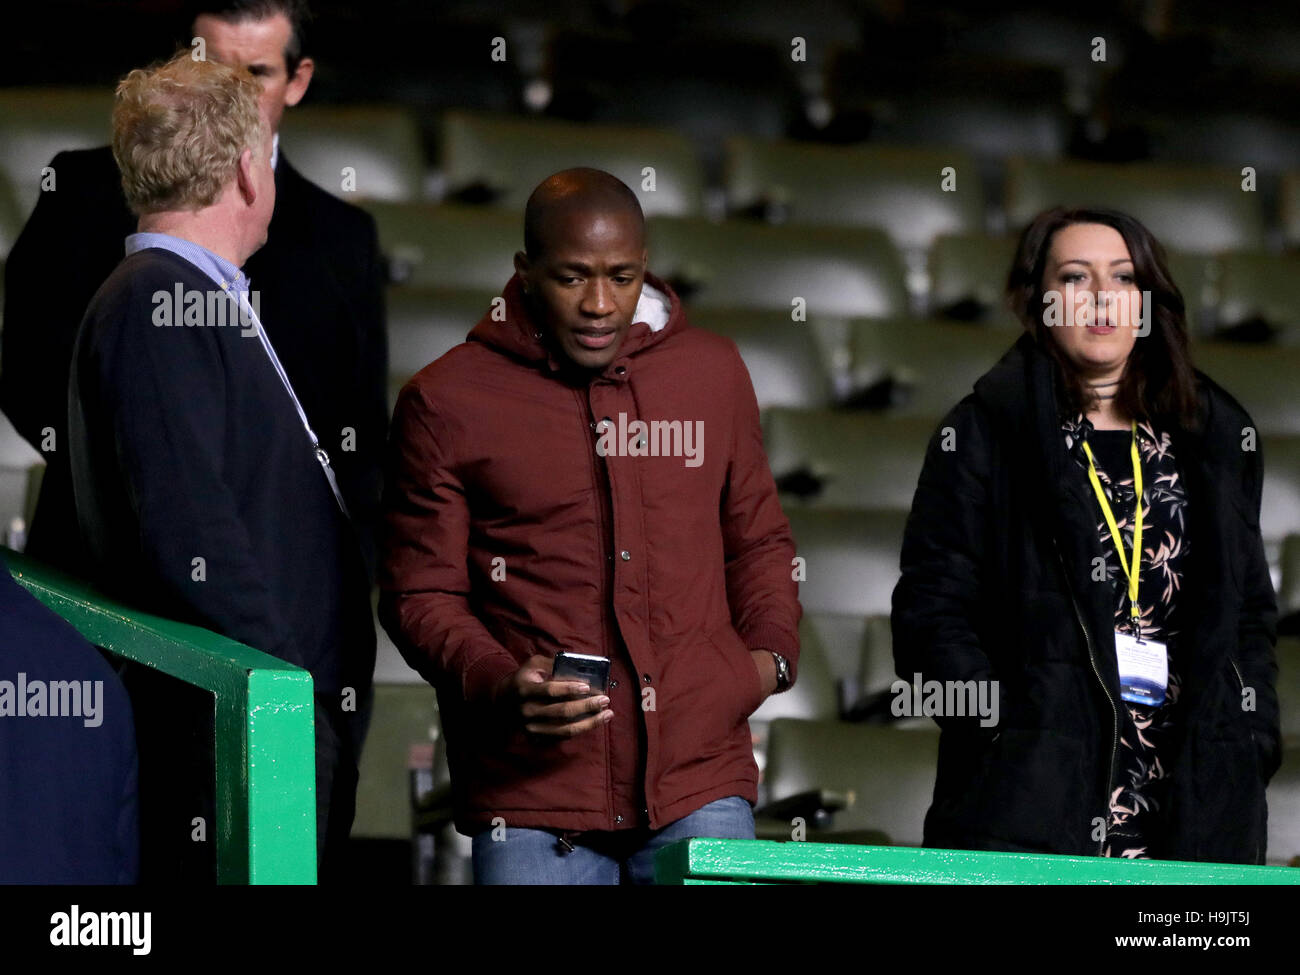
1143	669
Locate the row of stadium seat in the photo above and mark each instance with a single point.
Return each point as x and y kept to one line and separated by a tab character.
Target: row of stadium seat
834	271
850	781
915	194
915	367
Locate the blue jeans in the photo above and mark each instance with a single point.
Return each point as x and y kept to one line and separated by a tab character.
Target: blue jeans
535	856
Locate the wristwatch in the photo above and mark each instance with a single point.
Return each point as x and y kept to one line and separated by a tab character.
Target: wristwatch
782	672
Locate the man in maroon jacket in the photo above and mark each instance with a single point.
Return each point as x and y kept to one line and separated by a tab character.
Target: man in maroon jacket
586	474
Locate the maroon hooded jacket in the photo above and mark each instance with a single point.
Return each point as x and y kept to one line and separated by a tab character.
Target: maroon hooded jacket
509	533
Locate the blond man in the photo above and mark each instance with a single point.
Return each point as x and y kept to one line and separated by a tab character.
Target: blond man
200	486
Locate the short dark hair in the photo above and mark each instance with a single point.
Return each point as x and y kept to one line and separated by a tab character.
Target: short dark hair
1163	384
235	11
593	188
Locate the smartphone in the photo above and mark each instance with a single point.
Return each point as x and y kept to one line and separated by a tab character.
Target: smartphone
588	668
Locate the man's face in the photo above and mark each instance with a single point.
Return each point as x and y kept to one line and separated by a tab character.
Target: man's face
585	284
258	46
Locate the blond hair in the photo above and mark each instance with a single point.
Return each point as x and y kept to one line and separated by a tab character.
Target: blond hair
179	129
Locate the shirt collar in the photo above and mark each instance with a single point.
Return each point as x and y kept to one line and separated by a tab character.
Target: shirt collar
275	150
217	268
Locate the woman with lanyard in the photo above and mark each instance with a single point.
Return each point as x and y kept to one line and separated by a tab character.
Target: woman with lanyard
1085	538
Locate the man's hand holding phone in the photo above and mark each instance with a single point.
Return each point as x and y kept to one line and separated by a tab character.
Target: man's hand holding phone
553	706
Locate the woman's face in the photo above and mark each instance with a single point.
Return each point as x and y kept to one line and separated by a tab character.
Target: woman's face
1089	276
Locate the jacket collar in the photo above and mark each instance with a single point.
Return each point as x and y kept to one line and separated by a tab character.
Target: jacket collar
514	332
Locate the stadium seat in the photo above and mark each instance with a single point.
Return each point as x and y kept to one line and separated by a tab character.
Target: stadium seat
989	107
1280	510
892	188
876	663
1040	35
1290	207
1284	808
839	459
840	636
424	323
424	57
850	558
1288	589
716	88
968	278
1260	291
36	124
835	270
783	357
1195	276
403	715
1288	687
1261	378
1201	210
814	695
1233	137
11	220
919	367
875	778
357	152
501	159
819	22
448	247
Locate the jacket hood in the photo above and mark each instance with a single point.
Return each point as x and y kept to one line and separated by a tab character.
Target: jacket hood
513	331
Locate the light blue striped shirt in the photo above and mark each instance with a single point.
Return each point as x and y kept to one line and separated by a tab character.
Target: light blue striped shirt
222	273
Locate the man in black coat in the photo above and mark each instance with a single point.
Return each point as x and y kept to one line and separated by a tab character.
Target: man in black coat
199	486
998	584
68	806
319	276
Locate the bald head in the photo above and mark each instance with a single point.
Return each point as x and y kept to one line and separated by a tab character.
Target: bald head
584	263
575	194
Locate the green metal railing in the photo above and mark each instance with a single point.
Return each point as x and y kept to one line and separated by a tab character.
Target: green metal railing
265	734
764	861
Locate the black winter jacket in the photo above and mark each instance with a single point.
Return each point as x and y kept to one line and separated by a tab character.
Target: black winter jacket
997	584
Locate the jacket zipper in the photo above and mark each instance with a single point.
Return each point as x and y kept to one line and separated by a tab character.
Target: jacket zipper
1114	711
604	531
1251	731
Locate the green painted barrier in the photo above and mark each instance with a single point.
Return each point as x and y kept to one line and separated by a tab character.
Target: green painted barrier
702	861
265	748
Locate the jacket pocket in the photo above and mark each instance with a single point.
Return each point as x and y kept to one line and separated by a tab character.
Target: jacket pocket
703	699
749	685
1033	794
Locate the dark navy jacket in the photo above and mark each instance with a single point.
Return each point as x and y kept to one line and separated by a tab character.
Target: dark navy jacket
321	285
196	486
68	803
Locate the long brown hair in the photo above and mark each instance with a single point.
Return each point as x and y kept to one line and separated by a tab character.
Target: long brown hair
1159	383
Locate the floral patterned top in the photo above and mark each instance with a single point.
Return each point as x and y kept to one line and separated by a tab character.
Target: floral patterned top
1143	782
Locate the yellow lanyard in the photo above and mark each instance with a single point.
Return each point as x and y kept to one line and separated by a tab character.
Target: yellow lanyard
1132	573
